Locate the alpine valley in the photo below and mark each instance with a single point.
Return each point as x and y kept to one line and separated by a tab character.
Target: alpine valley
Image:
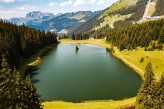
107	59
59	23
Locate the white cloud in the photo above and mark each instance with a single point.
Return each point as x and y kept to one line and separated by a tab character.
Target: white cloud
70	2
25	8
100	2
79	2
7	1
53	4
6	14
92	2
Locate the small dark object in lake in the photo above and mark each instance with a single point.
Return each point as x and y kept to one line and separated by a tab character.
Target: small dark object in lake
77	48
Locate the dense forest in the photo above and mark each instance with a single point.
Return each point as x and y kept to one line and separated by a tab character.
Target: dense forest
20	42
159	8
149	35
80	36
151	93
16	43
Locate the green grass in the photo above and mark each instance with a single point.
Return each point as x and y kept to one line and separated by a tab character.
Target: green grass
107	104
155	57
118	5
108	19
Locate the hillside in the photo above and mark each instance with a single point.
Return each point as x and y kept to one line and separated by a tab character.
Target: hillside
159	8
123	13
119	11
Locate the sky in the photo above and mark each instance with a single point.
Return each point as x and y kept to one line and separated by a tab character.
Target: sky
19	8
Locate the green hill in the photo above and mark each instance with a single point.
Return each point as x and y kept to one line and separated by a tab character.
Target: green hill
121	13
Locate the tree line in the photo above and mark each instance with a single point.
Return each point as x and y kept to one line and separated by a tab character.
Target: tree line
20	42
80	36
149	35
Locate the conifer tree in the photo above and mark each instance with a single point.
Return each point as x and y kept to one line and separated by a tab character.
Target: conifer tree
4	83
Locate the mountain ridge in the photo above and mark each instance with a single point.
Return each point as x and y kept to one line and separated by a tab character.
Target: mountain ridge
51	22
123	13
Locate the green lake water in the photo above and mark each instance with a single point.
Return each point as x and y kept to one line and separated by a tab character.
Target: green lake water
91	73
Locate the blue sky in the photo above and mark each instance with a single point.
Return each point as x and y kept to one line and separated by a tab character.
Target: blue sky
19	8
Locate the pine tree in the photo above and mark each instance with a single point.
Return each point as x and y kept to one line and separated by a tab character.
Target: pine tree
4	83
161	95
30	95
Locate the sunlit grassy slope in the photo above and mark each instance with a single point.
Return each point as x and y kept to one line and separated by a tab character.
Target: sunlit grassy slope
89	104
118	5
109	19
131	58
155	57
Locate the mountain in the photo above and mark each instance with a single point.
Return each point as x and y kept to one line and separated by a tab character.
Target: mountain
35	17
123	13
68	20
55	23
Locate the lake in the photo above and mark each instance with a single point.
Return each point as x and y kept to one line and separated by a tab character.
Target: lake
91	73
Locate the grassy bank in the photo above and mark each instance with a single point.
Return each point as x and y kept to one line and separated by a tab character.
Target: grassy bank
131	58
90	104
34	60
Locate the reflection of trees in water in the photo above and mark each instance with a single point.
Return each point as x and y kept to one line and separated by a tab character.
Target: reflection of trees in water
46	52
31	71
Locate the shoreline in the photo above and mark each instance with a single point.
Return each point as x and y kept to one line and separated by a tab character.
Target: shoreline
95	42
122	103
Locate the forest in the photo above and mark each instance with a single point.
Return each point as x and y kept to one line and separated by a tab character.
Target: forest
149	35
20	42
